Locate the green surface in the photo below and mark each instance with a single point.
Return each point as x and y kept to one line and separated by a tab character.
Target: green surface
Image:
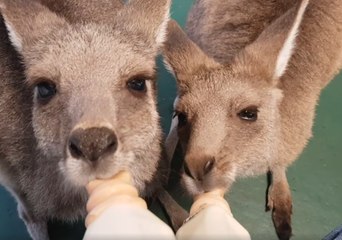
315	179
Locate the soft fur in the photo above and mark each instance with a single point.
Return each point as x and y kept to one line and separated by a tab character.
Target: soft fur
90	51
263	54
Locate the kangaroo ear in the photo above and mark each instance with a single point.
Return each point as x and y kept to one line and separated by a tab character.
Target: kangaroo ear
84	11
182	56
148	17
276	44
26	21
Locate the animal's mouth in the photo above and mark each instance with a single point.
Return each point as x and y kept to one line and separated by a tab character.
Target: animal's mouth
209	183
194	187
79	171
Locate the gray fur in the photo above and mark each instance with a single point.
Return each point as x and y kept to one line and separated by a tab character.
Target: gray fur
90	59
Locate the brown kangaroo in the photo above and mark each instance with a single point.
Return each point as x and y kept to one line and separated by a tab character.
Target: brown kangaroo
249	76
77	101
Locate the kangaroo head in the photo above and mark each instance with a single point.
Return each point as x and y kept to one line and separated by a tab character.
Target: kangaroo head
93	87
228	114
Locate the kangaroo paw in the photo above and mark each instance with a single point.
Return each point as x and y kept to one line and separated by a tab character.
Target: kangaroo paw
175	212
269	202
279	201
281	216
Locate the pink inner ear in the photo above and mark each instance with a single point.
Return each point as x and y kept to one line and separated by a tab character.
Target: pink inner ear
275	45
161	32
13	36
147	16
287	50
28	20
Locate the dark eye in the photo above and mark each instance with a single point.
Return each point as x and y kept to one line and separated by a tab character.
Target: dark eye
182	119
45	91
138	85
249	114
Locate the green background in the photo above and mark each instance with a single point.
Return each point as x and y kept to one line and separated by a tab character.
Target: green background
315	179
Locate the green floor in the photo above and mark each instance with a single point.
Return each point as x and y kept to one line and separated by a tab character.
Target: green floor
315	179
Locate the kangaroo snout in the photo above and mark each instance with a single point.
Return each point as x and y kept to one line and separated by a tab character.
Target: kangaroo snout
198	167
92	144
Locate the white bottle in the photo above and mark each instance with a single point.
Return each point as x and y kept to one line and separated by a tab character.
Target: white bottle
211	218
115	211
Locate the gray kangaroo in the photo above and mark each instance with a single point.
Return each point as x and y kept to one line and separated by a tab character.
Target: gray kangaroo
249	76
77	101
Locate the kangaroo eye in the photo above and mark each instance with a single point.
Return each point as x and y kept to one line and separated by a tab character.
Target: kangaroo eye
138	85
45	91
182	119
249	114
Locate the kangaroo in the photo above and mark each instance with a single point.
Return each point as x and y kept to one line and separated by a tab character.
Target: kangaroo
77	102
249	76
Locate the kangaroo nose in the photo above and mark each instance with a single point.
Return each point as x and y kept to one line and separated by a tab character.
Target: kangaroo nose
92	143
198	167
